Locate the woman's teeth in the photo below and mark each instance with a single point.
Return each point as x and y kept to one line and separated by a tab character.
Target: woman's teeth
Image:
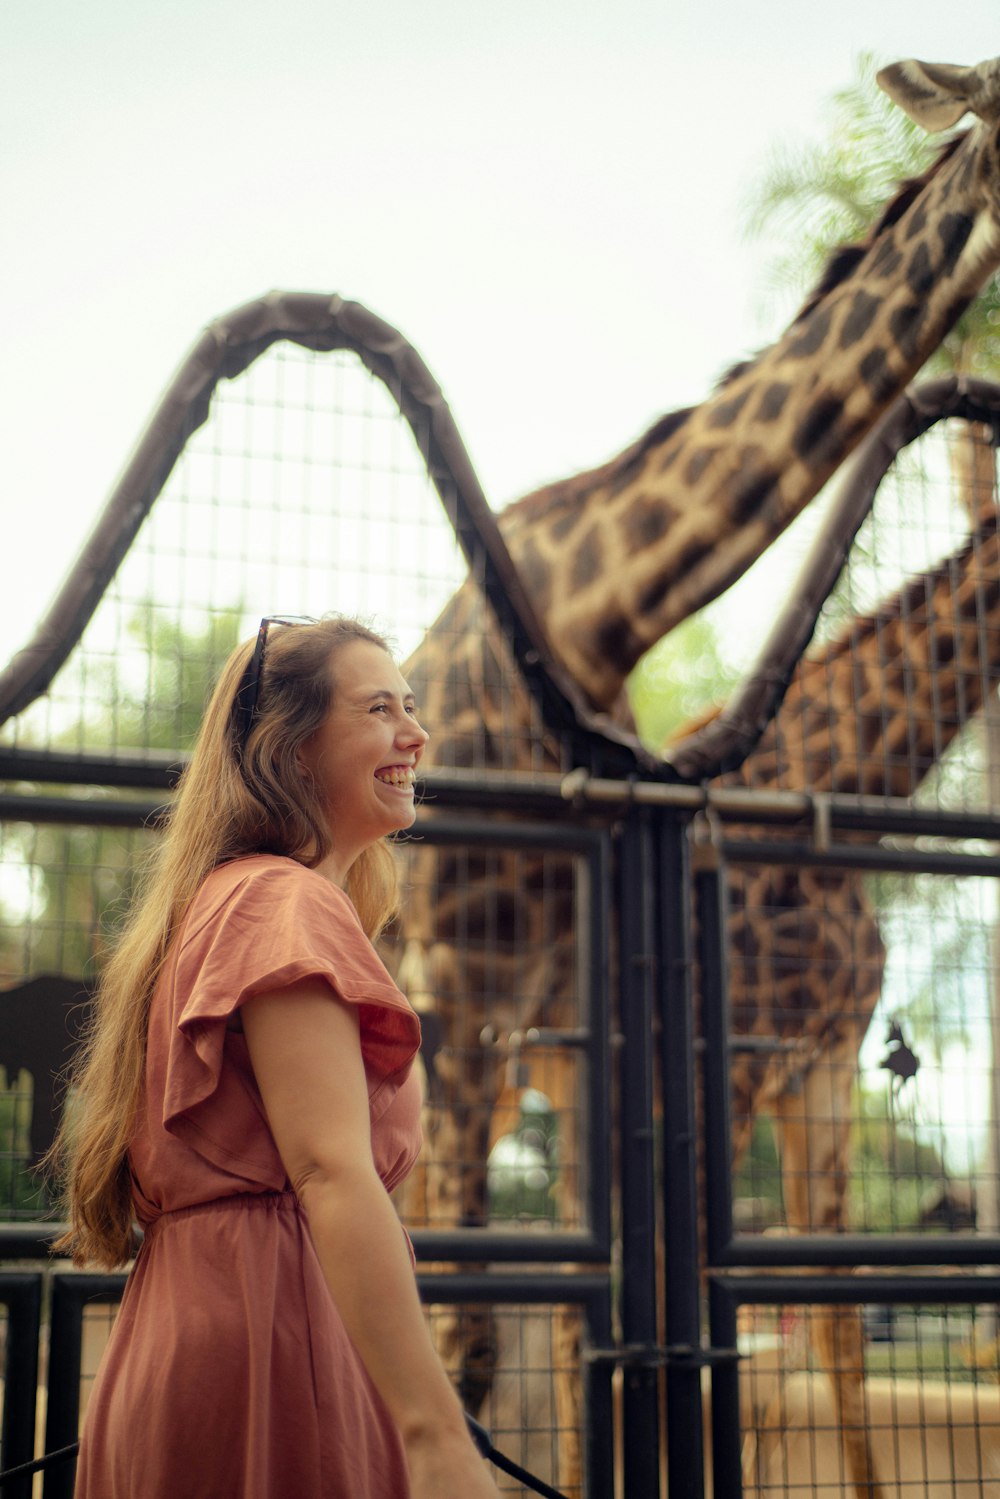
404	775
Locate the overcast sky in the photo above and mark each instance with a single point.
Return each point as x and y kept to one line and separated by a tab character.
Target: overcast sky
545	197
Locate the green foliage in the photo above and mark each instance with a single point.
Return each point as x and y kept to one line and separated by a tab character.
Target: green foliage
892	1169
21	1193
522	1173
81	877
811	197
682	676
154	689
758	1179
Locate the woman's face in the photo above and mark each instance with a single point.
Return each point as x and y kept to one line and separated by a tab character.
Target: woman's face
363	757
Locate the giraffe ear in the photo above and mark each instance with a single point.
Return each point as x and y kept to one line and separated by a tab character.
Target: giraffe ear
937	95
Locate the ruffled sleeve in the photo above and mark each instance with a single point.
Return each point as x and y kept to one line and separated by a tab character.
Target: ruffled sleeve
259	925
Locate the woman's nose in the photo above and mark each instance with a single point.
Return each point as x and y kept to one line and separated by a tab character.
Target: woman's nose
415	733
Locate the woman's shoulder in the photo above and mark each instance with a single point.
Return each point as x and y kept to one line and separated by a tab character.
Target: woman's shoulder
268	915
273	883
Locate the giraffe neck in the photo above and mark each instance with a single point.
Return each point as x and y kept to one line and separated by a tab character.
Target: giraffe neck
617	557
878	706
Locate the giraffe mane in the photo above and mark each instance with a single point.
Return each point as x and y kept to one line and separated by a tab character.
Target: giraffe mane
905	601
619	470
844	258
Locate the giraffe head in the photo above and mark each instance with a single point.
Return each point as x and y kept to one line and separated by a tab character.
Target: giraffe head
937	95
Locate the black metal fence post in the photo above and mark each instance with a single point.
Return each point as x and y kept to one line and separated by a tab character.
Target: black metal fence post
685	1437
717	1156
637	983
22	1293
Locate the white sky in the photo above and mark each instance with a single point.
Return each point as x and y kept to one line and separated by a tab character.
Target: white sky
543	196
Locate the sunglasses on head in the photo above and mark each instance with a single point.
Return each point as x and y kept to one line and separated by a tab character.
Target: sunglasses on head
245	705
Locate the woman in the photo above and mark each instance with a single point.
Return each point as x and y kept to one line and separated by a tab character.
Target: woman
247	1092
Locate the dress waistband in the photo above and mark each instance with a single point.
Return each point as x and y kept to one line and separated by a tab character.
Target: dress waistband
273	1200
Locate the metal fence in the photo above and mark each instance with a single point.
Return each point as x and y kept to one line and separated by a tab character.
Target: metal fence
710	1198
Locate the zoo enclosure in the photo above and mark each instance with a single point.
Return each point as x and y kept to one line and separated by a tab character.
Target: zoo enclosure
644	847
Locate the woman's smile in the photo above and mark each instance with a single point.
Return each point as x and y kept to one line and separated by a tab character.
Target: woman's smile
399	777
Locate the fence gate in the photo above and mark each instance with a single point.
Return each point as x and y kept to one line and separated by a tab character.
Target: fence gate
709	1200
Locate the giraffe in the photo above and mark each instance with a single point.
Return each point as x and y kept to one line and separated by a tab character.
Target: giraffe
612	559
871	712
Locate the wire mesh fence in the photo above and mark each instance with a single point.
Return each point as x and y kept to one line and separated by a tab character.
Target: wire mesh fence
526	1413
931	1404
862	1012
860	1075
303	492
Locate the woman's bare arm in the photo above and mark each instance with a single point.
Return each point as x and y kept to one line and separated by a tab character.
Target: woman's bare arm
305	1049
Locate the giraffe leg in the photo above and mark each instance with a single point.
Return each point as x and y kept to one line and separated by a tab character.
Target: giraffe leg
447	1187
560	1080
568	1381
813	1125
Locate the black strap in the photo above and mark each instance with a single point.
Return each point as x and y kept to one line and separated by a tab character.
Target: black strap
61	1455
483	1441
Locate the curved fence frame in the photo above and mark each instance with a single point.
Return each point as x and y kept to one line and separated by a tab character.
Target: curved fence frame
664	862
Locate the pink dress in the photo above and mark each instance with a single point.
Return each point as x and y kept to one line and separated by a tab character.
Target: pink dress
229	1374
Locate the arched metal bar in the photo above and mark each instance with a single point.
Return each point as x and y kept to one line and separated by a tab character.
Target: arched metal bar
228	346
724	743
231	343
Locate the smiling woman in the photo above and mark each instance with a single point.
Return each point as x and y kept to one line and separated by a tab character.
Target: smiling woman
247	1093
363	758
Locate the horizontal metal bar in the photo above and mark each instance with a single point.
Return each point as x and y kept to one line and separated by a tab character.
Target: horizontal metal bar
862	814
751	1045
540	791
85	811
28	1241
858	1290
871	814
444	831
76	1290
853	856
655	1356
581	787
543	1036
475	1245
463	1245
144	770
436	830
529	1287
757	1251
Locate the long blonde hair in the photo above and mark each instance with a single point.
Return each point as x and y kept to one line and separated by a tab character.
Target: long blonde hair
233	799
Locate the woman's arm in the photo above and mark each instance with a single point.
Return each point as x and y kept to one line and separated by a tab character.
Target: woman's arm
305	1049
